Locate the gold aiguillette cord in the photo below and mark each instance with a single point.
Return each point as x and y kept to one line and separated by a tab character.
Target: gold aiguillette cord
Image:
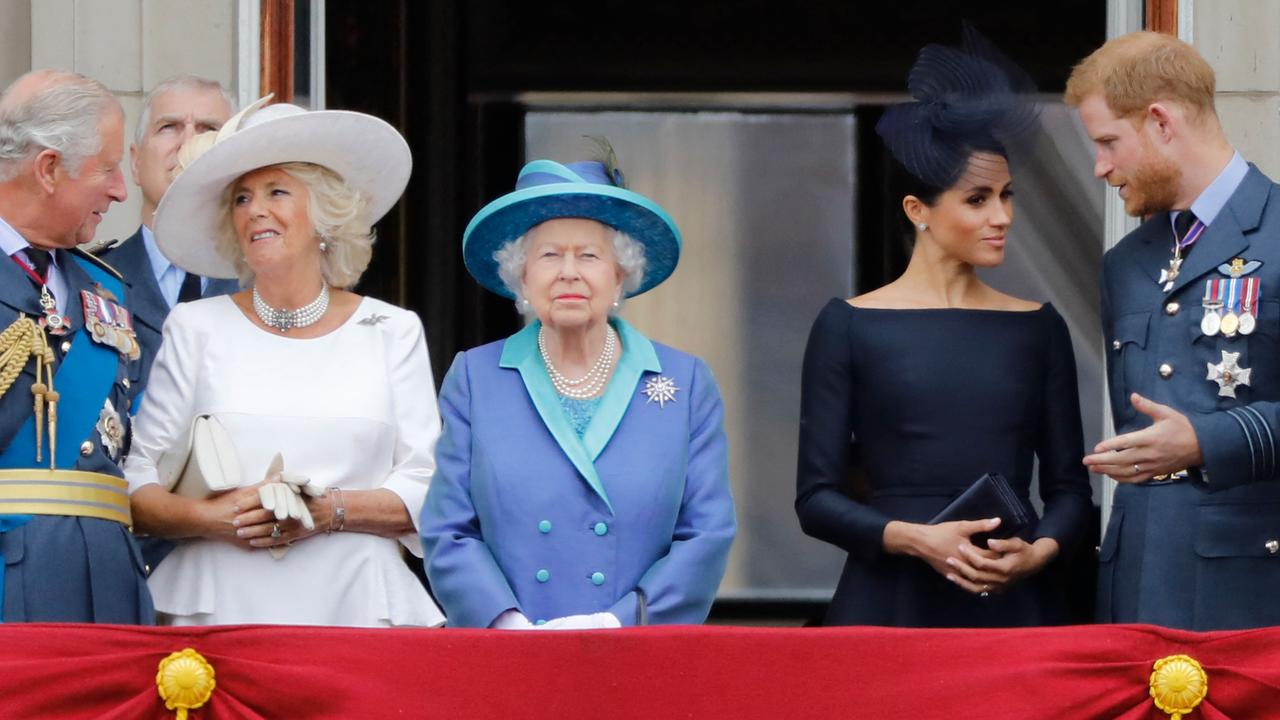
24	339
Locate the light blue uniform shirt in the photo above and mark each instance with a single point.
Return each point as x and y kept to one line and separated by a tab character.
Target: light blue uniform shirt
12	242
1210	202
168	276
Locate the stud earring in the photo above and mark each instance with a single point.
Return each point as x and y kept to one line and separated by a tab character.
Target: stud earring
523	306
324	246
923	226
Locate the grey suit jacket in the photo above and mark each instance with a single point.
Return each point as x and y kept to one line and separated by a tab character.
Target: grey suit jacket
145	300
1203	553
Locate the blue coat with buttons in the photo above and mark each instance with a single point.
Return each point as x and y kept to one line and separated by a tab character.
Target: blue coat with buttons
70	569
1204	553
633	518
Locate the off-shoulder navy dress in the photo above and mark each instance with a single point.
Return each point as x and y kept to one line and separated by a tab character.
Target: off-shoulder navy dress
925	402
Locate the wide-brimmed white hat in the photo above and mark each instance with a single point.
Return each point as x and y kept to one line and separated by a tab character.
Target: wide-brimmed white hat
369	155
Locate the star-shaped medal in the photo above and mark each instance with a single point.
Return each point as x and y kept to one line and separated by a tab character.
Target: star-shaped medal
660	389
110	429
1228	374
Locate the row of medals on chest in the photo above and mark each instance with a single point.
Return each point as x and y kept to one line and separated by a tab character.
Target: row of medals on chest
1231	303
1223	296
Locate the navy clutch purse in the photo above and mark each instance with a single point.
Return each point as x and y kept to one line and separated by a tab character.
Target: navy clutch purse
989	496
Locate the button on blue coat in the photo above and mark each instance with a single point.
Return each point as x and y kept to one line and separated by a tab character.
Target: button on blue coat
656	478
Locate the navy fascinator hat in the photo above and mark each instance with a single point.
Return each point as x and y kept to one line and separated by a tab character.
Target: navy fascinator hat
966	99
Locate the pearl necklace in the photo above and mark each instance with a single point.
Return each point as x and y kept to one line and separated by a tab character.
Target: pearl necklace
286	320
593	382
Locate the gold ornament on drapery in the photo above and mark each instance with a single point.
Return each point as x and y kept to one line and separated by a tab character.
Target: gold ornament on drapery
1178	684
23	340
185	681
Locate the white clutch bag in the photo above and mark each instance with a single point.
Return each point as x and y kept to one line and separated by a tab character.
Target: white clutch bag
205	465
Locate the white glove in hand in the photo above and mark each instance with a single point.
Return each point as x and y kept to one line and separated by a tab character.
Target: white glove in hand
303	485
284	498
595	621
511	620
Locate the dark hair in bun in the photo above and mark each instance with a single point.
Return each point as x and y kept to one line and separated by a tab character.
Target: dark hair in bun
967	100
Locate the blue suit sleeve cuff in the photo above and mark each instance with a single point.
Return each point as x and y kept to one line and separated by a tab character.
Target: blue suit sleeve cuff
1236	445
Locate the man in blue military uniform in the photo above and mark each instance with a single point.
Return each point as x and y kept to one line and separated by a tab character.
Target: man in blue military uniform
1193	343
68	357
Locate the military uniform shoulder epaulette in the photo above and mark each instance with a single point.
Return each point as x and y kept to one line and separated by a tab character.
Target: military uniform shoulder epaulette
97	261
95	247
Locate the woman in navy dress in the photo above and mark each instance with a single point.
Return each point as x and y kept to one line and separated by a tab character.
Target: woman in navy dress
939	378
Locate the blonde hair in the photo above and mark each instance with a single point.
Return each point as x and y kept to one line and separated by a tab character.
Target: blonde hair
1135	70
338	216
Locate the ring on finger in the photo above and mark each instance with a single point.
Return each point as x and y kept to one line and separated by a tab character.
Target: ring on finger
986	591
275	530
1137	468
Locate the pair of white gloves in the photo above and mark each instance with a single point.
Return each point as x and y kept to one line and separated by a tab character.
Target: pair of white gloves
515	620
282	495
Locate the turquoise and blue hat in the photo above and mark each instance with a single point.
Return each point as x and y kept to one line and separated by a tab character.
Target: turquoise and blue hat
546	190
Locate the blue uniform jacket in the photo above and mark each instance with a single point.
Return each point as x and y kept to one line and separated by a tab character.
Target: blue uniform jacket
69	569
1201	554
523	514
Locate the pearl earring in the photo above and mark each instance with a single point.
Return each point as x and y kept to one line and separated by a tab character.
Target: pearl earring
923	226
323	246
523	306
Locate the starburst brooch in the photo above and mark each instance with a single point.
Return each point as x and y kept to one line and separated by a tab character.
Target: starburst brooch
660	389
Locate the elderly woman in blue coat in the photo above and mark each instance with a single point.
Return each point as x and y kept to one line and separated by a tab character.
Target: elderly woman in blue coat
582	476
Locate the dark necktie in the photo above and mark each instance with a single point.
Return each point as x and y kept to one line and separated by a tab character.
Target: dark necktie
190	289
40	260
1181	227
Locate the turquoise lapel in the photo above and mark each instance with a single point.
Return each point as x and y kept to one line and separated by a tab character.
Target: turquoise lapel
521	352
638	357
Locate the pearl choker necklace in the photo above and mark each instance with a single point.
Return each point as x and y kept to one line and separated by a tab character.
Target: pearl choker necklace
593	382
286	320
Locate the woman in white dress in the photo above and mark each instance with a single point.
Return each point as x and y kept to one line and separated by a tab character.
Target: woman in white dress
337	384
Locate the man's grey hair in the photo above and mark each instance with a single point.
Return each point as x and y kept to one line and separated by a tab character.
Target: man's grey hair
185	81
628	253
64	114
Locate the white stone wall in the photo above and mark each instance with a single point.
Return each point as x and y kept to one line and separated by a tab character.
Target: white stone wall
1238	38
129	45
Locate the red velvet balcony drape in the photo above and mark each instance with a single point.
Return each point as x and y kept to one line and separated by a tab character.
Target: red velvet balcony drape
74	671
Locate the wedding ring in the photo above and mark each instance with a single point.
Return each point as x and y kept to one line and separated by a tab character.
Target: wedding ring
275	530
